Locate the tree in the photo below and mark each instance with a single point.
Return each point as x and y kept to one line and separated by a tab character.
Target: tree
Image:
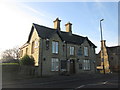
10	54
27	60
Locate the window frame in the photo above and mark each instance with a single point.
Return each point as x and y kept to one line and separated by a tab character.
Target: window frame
86	65
55	64
86	51
80	51
55	47
33	47
72	50
63	65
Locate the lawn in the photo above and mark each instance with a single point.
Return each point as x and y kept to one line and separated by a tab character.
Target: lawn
9	63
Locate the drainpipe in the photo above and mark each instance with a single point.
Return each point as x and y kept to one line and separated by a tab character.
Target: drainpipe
66	50
41	57
66	59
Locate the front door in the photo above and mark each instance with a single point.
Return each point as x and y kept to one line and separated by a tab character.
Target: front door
72	66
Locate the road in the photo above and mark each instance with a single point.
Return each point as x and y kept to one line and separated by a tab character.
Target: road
71	82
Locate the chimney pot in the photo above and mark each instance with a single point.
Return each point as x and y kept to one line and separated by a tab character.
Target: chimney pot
68	27
57	24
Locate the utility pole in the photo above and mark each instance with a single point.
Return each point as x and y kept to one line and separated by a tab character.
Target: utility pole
102	50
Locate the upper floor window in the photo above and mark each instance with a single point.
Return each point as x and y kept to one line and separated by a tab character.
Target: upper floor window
33	45
36	44
72	49
79	53
85	51
54	47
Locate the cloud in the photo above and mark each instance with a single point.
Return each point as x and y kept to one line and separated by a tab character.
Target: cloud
33	10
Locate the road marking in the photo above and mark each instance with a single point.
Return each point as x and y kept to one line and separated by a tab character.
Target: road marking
92	84
99	83
105	82
80	86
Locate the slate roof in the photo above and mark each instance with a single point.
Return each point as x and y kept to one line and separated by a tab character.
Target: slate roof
46	32
113	49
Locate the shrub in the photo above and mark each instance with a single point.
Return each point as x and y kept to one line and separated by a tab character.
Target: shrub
27	60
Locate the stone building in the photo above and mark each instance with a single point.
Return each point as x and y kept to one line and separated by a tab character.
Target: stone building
111	59
56	52
114	58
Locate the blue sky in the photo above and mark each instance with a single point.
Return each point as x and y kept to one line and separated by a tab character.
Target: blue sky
17	18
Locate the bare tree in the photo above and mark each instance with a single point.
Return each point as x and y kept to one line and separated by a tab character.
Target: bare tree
10	54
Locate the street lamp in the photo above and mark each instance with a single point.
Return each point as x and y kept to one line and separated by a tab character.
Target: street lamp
101	29
102	51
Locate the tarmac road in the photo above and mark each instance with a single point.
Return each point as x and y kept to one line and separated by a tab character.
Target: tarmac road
66	82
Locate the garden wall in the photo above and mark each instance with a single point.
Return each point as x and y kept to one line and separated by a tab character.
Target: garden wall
12	72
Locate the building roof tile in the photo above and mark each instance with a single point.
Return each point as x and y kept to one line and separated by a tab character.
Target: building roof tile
46	32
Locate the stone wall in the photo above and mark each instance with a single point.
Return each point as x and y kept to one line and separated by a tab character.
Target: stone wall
13	72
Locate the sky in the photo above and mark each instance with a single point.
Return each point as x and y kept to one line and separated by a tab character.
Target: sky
16	18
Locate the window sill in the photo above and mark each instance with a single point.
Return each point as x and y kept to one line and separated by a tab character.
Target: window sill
72	55
55	53
86	56
54	71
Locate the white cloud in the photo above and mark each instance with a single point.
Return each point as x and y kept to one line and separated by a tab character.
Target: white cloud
33	10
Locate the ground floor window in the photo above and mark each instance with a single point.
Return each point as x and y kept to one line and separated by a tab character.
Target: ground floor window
86	64
63	65
54	64
80	66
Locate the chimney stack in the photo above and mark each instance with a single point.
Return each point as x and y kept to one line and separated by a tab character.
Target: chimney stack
57	24
103	43
68	27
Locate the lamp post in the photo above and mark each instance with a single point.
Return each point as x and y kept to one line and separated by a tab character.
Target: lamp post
102	51
101	29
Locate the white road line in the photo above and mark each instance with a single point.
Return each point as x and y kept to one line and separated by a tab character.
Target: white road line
104	82
80	86
98	83
92	84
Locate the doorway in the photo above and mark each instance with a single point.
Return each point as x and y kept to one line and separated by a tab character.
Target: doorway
72	66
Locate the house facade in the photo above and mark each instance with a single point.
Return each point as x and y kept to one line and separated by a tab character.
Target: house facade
111	59
56	52
114	58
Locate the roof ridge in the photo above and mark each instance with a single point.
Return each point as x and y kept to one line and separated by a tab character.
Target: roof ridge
44	26
73	34
60	31
112	46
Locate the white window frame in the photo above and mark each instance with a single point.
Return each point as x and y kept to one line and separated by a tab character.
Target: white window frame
85	51
72	50
36	44
55	47
54	64
86	65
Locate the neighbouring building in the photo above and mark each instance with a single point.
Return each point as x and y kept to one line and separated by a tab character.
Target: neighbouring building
111	59
56	51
